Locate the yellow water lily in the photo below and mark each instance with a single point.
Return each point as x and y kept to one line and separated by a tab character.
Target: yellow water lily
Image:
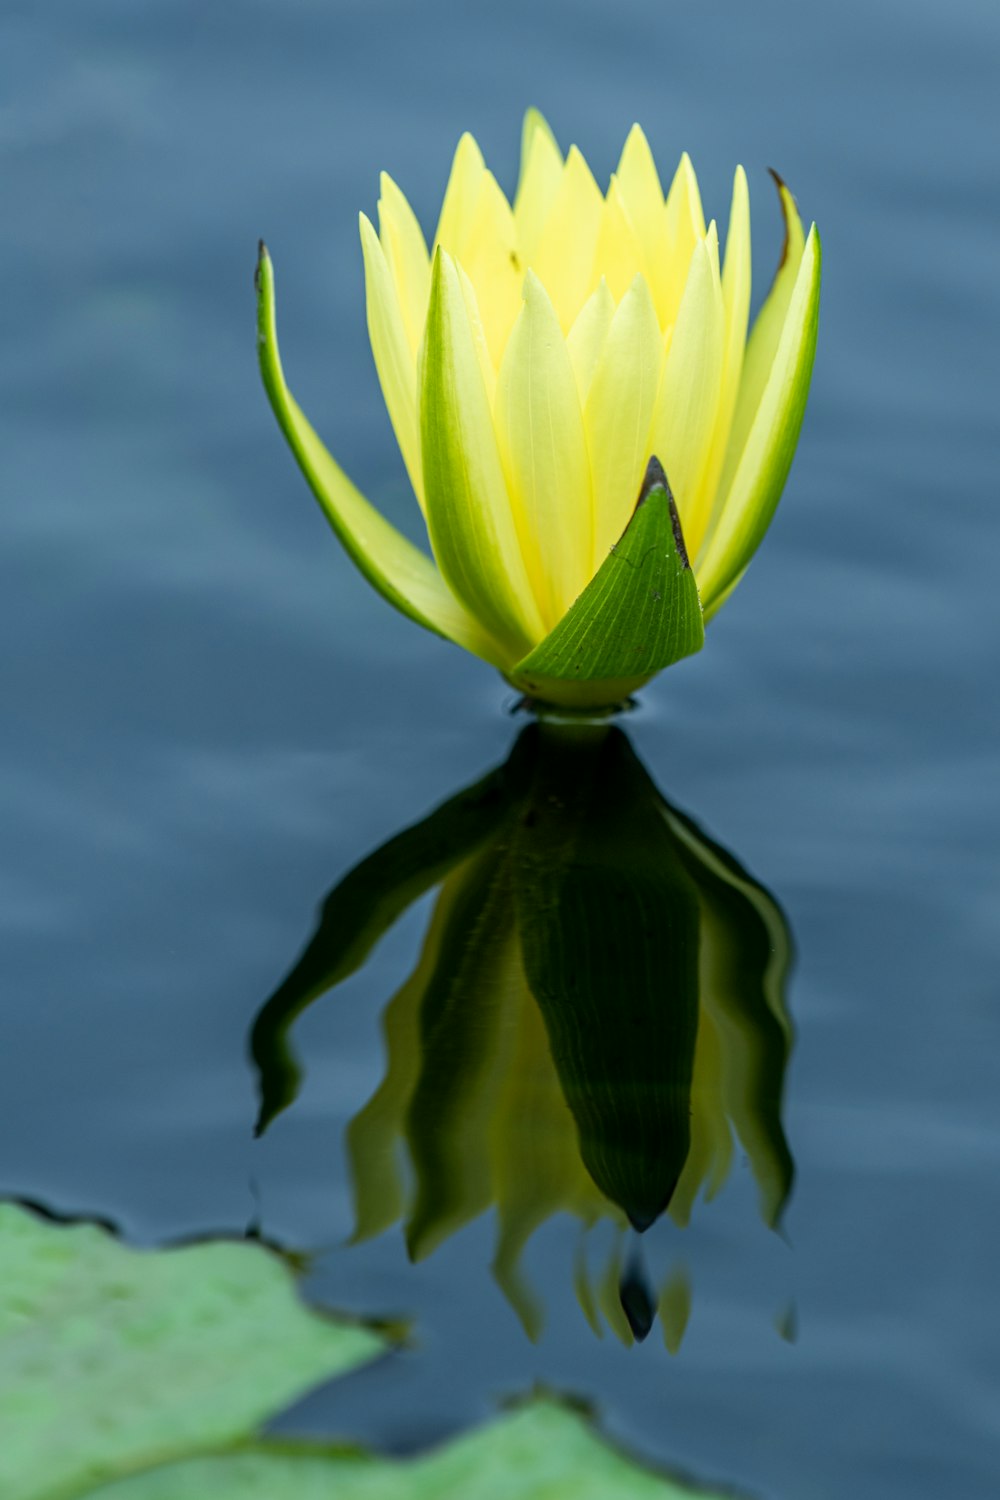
596	446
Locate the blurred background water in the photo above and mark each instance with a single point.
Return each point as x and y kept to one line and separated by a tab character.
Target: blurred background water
208	717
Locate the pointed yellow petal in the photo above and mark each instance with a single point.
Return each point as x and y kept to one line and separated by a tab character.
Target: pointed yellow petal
399	571
642	195
461	197
684	222
619	255
688	398
406	253
394	359
586	337
468	510
767	455
736	309
565	258
541	172
544	452
533	124
764	337
489	255
617	414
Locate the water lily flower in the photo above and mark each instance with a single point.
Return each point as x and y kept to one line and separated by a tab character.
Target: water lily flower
595	444
597	1011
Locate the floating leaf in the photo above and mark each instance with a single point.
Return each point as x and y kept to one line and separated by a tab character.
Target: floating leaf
113	1359
542	1451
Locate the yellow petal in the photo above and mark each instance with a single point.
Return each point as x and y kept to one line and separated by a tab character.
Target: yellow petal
688	398
684	222
479	337
394	359
469	515
565	258
489	254
406	253
541	172
642	195
763	342
619	256
617	414
586	337
760	476
544	452
461	197
736	309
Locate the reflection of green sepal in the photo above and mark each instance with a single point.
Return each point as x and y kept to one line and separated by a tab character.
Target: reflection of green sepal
358	912
746	955
639	614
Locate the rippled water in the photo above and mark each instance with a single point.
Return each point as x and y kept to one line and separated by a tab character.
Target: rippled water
209	718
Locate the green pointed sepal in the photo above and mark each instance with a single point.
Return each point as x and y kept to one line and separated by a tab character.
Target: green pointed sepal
639	613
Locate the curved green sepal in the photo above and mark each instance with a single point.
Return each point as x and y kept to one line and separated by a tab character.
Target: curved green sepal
401	573
639	614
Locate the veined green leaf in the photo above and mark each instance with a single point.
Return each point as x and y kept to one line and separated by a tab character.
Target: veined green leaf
401	573
767	456
638	614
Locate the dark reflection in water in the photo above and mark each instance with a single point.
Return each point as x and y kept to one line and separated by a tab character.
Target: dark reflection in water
599	1004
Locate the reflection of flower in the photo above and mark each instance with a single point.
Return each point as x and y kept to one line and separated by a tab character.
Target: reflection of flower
532	367
597	1006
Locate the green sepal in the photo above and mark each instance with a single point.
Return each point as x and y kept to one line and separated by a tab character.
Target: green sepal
639	613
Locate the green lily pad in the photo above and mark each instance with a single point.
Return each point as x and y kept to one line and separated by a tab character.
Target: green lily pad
542	1451
114	1359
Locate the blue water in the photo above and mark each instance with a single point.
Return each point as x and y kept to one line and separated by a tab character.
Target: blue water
208	717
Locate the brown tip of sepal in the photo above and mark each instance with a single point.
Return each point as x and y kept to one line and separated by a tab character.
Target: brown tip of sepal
261	257
656	479
783	188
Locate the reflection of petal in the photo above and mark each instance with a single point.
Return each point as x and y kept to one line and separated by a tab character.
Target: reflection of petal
675	1307
374	1137
536	1159
465	1048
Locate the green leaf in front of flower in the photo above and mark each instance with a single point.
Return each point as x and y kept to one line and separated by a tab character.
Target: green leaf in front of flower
401	573
543	1450
113	1359
639	614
